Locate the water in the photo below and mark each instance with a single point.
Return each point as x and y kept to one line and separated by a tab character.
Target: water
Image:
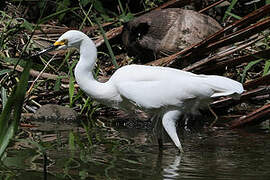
220	154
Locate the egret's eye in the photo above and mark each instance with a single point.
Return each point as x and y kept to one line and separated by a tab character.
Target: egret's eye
61	43
65	41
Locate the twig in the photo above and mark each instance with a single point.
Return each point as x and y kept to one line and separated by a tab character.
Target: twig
232	38
110	34
220	55
172	2
41	72
169	4
221	103
241	34
254	117
210	6
265	80
35	73
215	115
232	62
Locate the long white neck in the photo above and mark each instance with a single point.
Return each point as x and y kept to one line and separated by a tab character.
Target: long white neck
84	68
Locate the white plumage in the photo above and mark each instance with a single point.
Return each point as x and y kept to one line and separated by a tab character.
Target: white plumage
160	91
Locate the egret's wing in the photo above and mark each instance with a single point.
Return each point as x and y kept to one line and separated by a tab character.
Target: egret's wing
154	87
155	94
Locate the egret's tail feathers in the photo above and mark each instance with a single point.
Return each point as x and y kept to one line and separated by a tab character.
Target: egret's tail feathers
223	86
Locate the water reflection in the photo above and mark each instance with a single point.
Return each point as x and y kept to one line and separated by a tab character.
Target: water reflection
172	170
220	154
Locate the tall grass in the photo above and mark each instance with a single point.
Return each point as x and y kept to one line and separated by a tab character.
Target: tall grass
228	11
11	114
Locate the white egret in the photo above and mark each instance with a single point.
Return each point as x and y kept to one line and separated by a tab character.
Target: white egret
161	91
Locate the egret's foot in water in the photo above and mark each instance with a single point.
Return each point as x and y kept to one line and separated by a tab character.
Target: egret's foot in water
181	151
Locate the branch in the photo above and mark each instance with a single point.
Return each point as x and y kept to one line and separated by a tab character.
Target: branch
254	117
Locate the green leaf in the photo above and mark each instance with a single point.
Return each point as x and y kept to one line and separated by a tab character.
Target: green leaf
85	2
71	84
4	71
34	143
106	17
248	67
57	84
266	69
7	137
5	115
4	96
121	7
15	61
58	13
8	126
83	174
27	25
62	5
85	104
126	18
71	141
99	7
229	9
71	90
107	44
234	15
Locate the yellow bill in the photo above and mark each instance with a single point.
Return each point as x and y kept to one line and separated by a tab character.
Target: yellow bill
59	43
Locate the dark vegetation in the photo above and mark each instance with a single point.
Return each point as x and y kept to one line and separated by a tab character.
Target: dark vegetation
27	81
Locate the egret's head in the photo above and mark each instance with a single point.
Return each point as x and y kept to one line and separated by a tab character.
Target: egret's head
69	39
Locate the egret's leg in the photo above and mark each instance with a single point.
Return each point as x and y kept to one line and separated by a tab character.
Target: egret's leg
159	133
157	129
169	123
154	121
